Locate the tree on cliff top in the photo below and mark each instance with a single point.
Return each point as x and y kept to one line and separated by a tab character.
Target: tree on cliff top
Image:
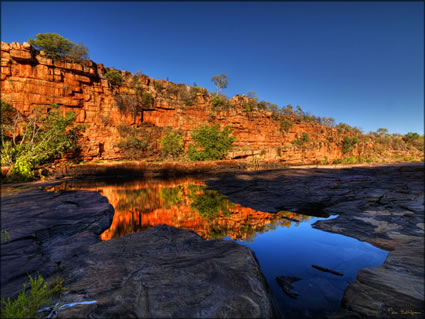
57	46
220	81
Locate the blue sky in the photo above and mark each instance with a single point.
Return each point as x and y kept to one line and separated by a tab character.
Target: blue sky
361	63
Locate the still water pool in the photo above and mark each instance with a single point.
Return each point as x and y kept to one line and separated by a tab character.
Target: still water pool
284	243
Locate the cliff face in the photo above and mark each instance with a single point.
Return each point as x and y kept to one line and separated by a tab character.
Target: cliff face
29	79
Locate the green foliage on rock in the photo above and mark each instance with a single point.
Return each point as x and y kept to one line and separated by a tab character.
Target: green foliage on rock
44	137
27	304
131	144
56	46
172	145
147	99
285	125
305	137
210	143
220	101
114	77
348	144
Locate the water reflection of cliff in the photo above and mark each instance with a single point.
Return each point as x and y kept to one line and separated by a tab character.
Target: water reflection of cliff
182	203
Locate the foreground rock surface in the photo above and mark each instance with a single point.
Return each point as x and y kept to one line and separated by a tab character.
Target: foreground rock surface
382	205
162	272
46	229
168	272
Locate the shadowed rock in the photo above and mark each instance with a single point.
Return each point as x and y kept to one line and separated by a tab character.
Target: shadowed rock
168	272
45	229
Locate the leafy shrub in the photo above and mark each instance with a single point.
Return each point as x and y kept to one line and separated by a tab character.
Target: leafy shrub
26	305
147	99
56	46
305	137
44	138
348	144
131	144
172	145
114	77
209	143
285	125
219	101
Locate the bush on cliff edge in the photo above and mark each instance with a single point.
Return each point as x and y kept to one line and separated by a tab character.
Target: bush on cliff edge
56	46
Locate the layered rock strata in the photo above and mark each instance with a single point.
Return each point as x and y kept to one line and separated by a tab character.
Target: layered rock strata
29	80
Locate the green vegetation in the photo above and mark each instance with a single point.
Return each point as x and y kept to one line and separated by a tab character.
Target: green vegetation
5	236
209	203
27	304
210	143
220	82
56	46
285	125
147	99
415	140
305	137
114	77
348	144
131	144
172	145
171	196
43	137
220	101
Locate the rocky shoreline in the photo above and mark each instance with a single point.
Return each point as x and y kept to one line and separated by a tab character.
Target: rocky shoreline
381	205
161	272
58	233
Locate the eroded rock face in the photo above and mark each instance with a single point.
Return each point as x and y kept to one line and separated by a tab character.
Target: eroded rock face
29	79
47	228
167	272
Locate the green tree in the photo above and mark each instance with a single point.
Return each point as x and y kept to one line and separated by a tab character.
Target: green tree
78	53
114	77
220	82
348	144
53	44
44	138
382	131
172	145
210	143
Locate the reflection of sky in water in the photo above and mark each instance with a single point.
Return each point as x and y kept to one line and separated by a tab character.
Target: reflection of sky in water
283	246
292	252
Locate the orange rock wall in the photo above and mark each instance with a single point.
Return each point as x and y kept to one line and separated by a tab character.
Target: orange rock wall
29	79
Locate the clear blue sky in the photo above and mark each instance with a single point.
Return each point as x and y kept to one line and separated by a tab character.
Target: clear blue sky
361	63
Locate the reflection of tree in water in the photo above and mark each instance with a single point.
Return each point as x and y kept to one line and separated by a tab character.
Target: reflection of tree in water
142	200
209	203
171	196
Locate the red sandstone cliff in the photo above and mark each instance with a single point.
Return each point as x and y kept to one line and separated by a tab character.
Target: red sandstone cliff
30	79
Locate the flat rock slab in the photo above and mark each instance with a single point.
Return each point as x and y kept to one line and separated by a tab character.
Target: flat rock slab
47	228
395	289
165	272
